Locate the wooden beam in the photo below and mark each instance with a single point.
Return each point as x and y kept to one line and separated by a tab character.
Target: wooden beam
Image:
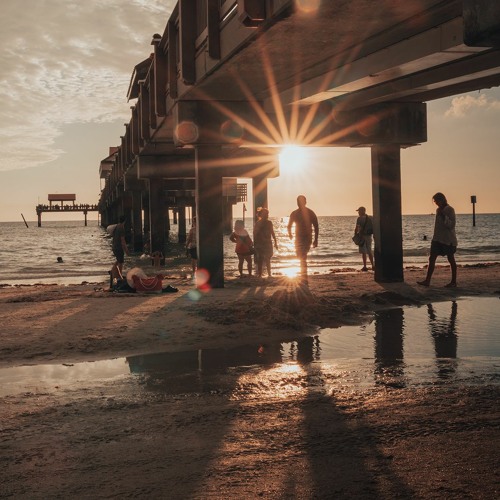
187	32
160	66
172	59
213	20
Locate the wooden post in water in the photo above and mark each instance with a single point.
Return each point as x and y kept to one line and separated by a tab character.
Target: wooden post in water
25	221
473	201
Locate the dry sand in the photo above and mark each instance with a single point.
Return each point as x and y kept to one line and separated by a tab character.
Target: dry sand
116	441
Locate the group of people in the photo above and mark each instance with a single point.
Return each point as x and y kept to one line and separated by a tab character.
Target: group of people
264	242
261	248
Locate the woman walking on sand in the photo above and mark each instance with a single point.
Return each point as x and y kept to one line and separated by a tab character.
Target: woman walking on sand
444	240
244	246
263	236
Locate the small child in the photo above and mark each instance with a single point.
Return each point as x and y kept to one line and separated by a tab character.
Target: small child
244	246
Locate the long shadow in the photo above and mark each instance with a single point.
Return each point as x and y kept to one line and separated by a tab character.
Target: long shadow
344	451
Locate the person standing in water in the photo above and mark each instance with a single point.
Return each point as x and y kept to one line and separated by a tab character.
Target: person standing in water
305	220
364	227
191	247
263	236
244	246
444	240
120	249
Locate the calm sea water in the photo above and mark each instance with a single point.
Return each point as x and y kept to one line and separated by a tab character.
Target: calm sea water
447	342
29	255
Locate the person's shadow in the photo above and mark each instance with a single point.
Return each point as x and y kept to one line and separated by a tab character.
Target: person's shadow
443	332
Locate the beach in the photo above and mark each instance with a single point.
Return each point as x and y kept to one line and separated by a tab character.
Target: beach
113	439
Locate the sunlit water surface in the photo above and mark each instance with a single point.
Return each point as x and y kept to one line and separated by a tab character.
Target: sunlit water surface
446	342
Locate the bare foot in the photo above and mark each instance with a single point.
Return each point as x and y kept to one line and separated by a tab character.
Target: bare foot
423	283
451	284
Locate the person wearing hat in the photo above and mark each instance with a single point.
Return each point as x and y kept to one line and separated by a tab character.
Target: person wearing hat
364	227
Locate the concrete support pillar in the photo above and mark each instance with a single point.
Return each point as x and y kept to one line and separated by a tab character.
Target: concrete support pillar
209	214
146	223
182	224
259	190
85	215
137	239
157	216
388	228
227	215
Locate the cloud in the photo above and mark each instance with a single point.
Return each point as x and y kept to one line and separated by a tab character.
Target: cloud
68	62
465	104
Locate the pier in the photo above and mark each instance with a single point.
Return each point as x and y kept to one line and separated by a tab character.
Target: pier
229	83
56	205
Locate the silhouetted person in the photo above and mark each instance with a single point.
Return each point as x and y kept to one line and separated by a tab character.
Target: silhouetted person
263	236
191	247
444	240
443	333
364	227
119	249
305	221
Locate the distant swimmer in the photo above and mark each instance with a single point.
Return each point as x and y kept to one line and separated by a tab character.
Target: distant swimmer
60	260
425	237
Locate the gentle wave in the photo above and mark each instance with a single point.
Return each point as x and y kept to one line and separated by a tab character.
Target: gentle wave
29	255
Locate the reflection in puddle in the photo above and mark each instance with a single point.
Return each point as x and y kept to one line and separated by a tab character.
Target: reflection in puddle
447	341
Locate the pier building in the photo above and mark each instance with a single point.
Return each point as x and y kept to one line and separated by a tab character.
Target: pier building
230	82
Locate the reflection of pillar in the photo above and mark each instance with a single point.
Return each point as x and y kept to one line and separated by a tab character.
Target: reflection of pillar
259	189
388	229
158	241
209	214
389	337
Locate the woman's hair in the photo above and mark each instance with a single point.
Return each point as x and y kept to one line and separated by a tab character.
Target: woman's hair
262	210
440	197
239	223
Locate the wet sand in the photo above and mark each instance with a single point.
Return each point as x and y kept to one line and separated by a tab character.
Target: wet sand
312	438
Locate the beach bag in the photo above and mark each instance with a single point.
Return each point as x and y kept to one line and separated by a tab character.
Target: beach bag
148	285
358	239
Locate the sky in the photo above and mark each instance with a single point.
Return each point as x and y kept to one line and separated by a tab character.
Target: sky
65	71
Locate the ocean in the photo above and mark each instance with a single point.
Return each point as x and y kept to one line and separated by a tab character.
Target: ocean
28	255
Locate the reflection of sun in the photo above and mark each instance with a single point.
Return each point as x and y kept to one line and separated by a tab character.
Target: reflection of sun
293	159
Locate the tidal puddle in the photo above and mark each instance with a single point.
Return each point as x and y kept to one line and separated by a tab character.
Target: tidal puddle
446	342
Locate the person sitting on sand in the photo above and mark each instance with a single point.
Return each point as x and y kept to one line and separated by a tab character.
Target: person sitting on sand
138	281
244	246
444	240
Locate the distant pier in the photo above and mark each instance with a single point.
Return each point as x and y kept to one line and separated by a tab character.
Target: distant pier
56	204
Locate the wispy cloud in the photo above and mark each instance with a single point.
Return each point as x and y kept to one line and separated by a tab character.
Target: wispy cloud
464	105
67	62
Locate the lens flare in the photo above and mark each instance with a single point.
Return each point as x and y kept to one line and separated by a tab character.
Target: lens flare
187	132
202	278
231	131
308	6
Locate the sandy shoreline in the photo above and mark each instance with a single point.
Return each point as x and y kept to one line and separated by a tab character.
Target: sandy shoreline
324	438
48	323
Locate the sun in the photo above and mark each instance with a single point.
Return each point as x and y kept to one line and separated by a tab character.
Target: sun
293	159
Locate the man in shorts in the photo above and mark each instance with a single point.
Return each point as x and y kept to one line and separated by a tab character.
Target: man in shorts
305	221
444	240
